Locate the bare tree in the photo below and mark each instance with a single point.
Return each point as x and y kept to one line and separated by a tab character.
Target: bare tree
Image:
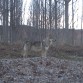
15	17
82	24
5	20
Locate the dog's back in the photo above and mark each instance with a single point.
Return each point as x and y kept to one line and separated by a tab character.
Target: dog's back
38	47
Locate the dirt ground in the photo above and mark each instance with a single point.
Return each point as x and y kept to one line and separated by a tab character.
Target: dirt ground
40	70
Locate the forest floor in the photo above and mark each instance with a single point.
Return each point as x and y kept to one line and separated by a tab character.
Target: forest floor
41	70
63	64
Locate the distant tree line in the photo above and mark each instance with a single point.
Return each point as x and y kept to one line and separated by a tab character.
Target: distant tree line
10	15
45	13
48	14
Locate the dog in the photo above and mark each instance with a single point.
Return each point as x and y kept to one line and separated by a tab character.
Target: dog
37	46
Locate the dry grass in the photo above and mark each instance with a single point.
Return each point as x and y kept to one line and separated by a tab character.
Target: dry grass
15	51
10	50
67	52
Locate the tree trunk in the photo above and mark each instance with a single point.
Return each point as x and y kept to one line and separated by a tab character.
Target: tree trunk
5	20
50	13
56	19
45	18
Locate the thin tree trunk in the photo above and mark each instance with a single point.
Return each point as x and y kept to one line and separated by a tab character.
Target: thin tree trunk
45	18
56	18
5	21
11	20
50	13
82	24
72	24
66	14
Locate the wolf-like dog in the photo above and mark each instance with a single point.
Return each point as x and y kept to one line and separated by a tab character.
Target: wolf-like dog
37	46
